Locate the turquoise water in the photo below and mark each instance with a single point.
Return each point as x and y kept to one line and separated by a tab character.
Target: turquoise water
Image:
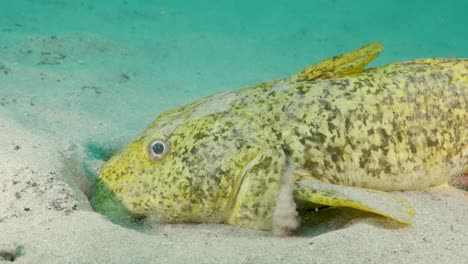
121	63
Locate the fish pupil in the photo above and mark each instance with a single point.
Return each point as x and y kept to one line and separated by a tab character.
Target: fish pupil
158	148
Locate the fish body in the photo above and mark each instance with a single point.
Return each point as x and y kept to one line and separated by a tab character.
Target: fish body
334	134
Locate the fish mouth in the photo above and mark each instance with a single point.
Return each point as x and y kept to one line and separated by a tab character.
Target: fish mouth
104	201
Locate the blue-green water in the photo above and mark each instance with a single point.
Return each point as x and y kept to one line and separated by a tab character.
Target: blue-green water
145	57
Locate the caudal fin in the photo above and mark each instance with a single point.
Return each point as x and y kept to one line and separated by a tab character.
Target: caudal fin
461	181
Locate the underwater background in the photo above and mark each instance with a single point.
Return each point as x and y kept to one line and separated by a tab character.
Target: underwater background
115	65
80	79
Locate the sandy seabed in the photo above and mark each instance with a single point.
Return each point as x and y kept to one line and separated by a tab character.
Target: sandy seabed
67	98
46	218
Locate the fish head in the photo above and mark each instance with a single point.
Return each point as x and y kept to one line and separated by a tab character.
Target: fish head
179	170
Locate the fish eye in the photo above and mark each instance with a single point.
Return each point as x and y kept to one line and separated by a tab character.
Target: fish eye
157	149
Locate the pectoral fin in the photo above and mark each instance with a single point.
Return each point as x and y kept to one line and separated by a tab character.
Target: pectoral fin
374	201
253	204
341	65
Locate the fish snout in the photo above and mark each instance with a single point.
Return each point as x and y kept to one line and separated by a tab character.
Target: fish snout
104	201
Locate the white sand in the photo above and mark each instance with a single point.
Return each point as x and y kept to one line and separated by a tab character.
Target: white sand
63	91
45	218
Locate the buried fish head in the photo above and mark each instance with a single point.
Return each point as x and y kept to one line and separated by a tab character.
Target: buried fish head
178	170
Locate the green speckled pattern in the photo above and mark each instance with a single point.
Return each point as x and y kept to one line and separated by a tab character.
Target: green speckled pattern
398	127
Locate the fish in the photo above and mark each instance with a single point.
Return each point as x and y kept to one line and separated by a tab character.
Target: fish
334	134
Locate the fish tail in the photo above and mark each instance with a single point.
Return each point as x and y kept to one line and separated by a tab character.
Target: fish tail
461	181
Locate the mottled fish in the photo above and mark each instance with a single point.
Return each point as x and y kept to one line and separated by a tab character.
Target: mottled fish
334	134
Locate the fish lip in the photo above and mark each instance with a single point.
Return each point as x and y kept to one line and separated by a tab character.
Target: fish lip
105	201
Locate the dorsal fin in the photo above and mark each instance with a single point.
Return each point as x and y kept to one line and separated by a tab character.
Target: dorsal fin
341	65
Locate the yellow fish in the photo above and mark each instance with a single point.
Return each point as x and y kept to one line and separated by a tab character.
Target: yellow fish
334	134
